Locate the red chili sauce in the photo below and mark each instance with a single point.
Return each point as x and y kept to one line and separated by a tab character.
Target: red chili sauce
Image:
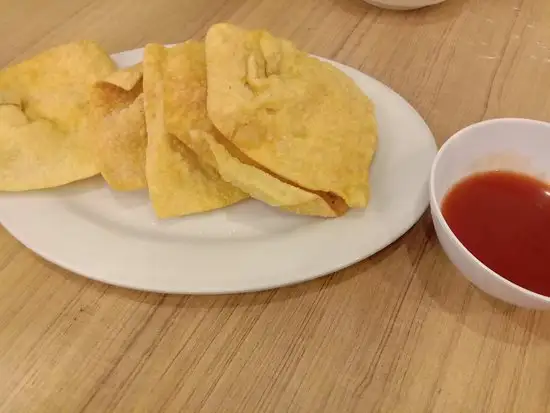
503	219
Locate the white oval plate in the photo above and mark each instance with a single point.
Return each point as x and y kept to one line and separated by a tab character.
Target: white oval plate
115	238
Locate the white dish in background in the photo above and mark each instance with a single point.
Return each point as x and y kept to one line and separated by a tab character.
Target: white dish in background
403	4
518	145
115	238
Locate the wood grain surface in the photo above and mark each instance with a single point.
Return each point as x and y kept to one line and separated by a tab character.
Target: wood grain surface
400	332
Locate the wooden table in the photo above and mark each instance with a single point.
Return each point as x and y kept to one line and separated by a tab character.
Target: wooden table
400	332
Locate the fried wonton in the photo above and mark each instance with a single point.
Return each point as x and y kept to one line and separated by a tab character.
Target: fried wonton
300	118
44	109
186	89
118	135
180	181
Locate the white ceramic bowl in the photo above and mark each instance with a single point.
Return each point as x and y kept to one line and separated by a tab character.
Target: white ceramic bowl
403	4
519	145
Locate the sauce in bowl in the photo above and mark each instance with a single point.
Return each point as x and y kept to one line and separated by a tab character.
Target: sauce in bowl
503	219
